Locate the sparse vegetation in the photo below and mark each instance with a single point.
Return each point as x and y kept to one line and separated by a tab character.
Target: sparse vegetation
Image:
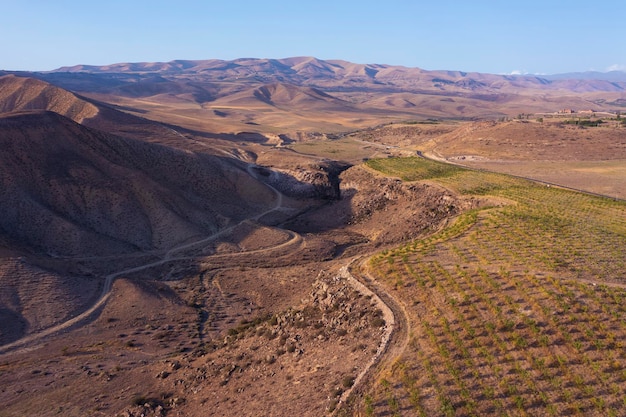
347	381
584	122
516	305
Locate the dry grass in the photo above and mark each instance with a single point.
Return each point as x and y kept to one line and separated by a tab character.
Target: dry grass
345	149
583	158
604	177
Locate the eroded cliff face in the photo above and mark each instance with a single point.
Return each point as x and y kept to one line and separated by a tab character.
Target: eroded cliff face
314	181
388	210
377	210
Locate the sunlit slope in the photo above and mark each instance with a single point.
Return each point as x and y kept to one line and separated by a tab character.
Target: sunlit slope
306	93
515	308
19	94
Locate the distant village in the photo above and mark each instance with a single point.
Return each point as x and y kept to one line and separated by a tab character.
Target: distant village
586	113
572	111
582	118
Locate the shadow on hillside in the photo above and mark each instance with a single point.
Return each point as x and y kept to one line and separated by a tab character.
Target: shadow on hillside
12	327
140	192
231	137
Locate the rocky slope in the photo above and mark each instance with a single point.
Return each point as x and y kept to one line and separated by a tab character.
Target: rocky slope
69	191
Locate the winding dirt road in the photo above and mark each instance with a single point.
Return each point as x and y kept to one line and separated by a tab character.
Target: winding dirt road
167	257
393	342
396	335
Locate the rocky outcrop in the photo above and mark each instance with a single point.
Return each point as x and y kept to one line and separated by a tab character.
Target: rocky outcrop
318	181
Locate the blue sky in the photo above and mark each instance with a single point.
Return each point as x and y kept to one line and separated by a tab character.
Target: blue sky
542	37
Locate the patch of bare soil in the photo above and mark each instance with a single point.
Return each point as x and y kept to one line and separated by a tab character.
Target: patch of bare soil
525	140
145	355
248	236
405	135
295	362
96	367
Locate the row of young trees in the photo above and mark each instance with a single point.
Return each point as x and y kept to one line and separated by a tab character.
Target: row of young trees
510	308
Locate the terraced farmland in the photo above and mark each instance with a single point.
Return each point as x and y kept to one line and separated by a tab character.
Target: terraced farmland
517	308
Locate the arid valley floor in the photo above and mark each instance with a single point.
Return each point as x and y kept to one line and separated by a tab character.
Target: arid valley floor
305	237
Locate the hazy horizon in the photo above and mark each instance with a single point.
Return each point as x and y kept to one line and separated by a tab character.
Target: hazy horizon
591	71
513	38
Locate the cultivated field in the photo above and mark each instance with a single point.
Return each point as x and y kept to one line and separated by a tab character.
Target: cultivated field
516	308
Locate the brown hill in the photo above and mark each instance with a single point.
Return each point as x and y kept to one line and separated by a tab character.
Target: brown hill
287	96
68	190
274	108
18	93
30	94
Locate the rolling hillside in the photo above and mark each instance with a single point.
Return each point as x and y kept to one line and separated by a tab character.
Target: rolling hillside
185	93
69	190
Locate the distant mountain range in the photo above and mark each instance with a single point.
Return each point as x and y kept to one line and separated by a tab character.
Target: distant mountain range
330	75
299	69
295	94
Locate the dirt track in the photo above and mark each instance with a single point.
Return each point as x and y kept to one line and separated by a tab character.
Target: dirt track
395	339
108	280
396	335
